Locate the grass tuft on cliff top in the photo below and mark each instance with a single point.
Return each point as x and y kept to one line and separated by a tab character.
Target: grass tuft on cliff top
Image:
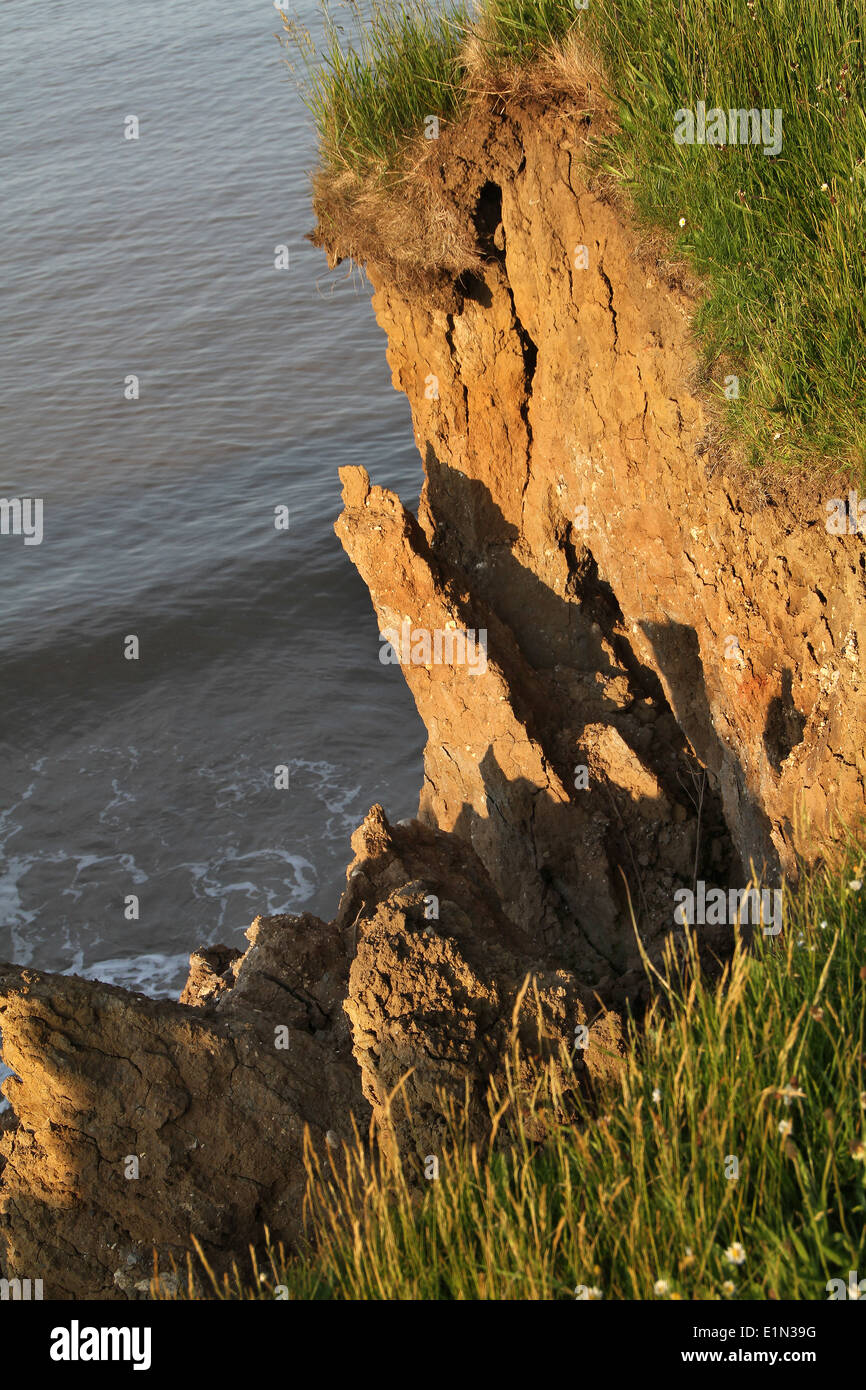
635	1195
779	242
374	76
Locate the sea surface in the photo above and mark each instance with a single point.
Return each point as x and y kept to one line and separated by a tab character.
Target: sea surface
154	778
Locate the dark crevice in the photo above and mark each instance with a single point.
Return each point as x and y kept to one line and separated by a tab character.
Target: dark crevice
471	286
610	303
487	220
530	357
785	724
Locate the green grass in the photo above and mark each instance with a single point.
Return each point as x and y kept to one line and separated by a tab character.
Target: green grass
778	242
515	32
636	1188
379	71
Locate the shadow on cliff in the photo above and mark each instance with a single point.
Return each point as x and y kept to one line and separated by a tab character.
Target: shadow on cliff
573	873
577	650
678	655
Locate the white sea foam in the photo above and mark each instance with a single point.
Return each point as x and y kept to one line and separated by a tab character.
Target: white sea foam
159	976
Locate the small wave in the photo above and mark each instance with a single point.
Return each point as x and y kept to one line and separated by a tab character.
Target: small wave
269	889
158	976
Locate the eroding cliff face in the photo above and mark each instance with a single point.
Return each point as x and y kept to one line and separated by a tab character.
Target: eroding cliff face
671	689
576	493
507	744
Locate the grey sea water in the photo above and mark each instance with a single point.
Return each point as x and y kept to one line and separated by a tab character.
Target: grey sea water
155	257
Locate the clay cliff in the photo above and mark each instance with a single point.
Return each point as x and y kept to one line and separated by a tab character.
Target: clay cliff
671	690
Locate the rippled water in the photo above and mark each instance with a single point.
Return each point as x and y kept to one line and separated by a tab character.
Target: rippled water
156	257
